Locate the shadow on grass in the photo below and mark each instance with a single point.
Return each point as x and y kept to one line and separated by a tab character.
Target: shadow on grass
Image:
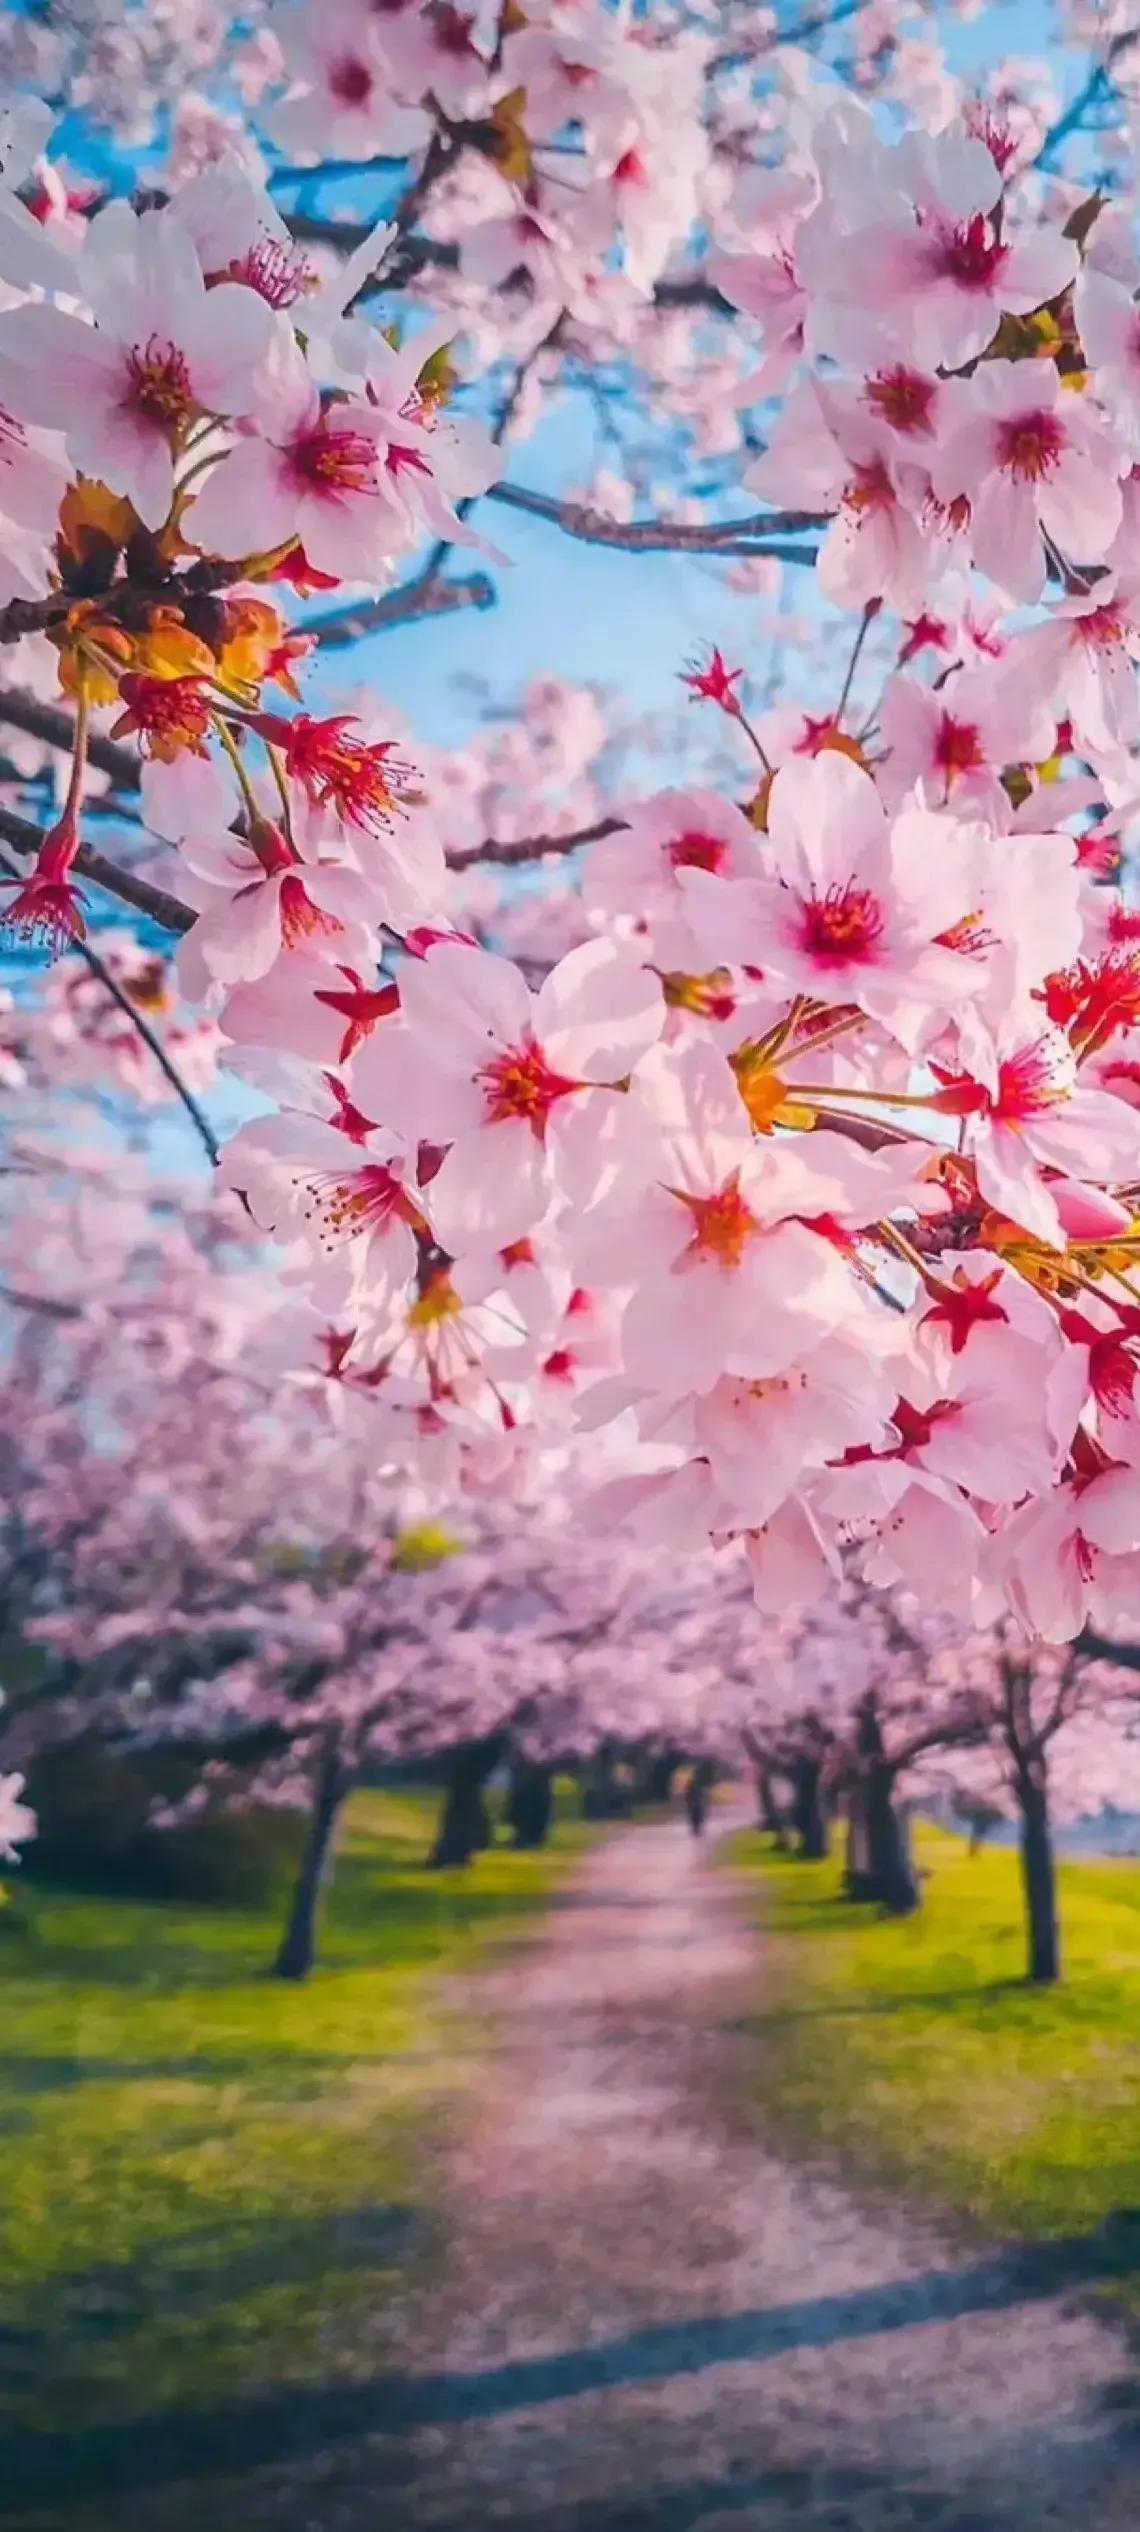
921	2000
274	2427
204	2269
379	1919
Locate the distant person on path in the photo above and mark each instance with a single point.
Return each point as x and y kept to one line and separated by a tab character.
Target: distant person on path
697	1795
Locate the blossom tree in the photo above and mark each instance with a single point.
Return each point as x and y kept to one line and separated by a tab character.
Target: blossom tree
1060	1741
916	1706
775	1155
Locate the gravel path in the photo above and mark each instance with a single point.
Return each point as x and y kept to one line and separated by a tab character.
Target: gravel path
649	2324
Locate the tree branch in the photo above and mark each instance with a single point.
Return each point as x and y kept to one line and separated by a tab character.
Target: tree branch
1097	85
143	1029
531	848
125	599
424	596
649	536
1100	1648
162	908
57	729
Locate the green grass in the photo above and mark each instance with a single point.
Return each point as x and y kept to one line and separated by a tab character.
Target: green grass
209	2180
912	2054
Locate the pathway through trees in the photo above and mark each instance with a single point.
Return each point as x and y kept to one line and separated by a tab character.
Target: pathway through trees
651	2325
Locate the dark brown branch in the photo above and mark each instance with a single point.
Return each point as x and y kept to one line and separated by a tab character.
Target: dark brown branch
663	536
57	729
531	848
420	598
125	599
157	903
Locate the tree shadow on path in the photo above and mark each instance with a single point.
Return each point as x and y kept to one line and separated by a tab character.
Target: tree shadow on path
262	2430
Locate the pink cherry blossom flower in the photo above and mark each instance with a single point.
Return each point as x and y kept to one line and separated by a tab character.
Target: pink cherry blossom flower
1073	1556
957	740
342	103
791	1558
1026	1110
836	914
488	1068
1083	661
827	453
240	235
700	1217
28	258
259	896
763	281
314	471
936	269
163	351
339	1187
637	872
1108	322
33	479
762	1437
46	907
1032	463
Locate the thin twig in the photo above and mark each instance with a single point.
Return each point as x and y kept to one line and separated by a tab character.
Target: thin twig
170	912
1097	85
151	1041
531	848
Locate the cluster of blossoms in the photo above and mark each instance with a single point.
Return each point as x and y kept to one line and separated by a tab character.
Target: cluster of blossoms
800	1197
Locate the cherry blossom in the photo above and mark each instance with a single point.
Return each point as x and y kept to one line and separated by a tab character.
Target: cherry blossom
162	353
483	1065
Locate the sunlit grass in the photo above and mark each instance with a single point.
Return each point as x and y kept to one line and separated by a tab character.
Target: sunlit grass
913	2054
209	2179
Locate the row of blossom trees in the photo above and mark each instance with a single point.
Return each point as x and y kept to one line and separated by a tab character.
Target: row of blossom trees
770	1167
871	1707
210	1562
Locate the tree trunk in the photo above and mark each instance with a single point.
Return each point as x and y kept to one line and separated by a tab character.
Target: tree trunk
655	1774
857	1877
464	1821
604	1797
299	1941
809	1816
1038	1874
768	1813
530	1802
894	1882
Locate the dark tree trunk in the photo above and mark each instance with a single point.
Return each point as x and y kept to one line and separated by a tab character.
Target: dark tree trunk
464	1821
1038	1875
768	1813
894	1882
857	1876
604	1797
655	1776
464	1824
809	1814
890	1878
530	1802
299	1941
